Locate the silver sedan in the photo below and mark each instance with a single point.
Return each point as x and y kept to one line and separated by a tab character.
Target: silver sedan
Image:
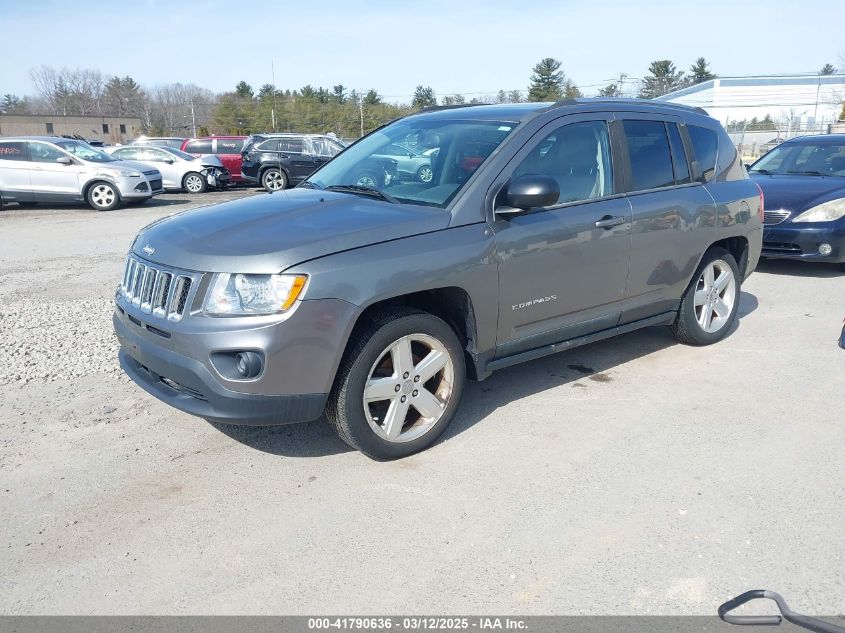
180	171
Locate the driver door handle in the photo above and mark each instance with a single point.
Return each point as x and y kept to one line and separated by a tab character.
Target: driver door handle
609	221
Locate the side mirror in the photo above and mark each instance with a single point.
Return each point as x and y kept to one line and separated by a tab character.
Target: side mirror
64	160
529	192
169	161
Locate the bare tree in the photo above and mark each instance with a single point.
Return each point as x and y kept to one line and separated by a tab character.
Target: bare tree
70	91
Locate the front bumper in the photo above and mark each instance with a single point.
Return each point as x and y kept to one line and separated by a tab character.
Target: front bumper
802	241
173	361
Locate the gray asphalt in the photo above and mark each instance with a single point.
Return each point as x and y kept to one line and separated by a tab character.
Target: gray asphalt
634	476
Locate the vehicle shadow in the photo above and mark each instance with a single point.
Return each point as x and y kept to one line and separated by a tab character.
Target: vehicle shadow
794	268
480	399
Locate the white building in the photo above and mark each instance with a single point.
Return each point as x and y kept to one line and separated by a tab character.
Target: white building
796	104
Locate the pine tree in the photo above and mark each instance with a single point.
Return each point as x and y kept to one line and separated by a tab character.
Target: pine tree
243	89
455	99
546	81
827	69
610	90
699	72
372	98
424	97
664	78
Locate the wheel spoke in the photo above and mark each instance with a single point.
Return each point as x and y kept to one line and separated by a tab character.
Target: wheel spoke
722	280
708	277
721	308
395	418
706	317
400	354
434	361
700	297
380	389
427	404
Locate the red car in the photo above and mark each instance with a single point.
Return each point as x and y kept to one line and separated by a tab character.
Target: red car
226	148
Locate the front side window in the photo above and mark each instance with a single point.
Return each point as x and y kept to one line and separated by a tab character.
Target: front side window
577	156
705	145
12	150
463	146
44	153
651	158
290	145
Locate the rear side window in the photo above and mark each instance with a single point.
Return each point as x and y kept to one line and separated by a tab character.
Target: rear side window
127	153
290	145
200	146
229	146
269	146
651	158
679	156
705	143
12	150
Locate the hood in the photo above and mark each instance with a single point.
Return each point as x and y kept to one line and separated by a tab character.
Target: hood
270	232
131	164
798	193
209	160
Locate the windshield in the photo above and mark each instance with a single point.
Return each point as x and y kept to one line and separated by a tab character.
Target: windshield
462	146
179	153
85	152
815	159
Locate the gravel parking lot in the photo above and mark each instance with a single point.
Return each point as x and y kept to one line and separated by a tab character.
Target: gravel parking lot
633	476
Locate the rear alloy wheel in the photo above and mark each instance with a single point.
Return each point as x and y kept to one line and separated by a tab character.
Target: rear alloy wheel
103	196
399	385
425	174
194	183
709	306
274	180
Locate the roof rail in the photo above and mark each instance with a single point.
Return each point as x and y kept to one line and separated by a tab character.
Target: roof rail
438	108
624	101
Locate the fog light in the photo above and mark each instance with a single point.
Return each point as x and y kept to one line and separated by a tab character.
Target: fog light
825	249
248	364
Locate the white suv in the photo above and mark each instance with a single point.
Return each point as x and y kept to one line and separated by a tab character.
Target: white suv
54	169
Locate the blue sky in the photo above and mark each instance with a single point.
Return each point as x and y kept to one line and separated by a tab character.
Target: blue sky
469	46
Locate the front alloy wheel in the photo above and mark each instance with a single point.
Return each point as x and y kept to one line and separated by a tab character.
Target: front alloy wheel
409	388
399	384
195	183
102	196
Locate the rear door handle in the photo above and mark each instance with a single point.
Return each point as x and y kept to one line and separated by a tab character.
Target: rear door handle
609	221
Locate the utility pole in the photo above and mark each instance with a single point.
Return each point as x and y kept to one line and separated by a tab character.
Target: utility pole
193	118
273	79
361	109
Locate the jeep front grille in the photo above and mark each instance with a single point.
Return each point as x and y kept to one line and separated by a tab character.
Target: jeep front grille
155	290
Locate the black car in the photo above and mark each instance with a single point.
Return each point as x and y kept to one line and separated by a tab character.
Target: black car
803	182
277	161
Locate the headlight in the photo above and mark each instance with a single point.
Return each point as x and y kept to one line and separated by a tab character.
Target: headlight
235	295
126	173
825	212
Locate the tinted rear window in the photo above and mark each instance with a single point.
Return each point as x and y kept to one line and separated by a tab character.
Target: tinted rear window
705	143
651	159
12	150
200	146
269	146
229	145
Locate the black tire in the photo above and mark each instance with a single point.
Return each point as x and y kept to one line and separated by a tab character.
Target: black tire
194	182
274	179
686	327
369	179
102	196
345	408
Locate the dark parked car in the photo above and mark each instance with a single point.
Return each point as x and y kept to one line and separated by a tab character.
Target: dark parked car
803	181
277	161
544	227
226	148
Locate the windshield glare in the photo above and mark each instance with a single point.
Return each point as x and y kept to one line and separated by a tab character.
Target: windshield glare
430	178
179	153
827	159
86	152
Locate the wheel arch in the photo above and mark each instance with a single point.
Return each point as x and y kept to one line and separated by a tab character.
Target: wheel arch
98	179
452	304
737	246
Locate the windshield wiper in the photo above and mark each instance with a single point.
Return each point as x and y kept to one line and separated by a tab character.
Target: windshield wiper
365	191
307	184
761	171
809	172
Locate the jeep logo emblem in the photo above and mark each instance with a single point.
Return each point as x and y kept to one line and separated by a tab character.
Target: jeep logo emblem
149	250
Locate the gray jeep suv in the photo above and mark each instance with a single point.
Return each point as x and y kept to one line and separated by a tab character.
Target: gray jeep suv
543	227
